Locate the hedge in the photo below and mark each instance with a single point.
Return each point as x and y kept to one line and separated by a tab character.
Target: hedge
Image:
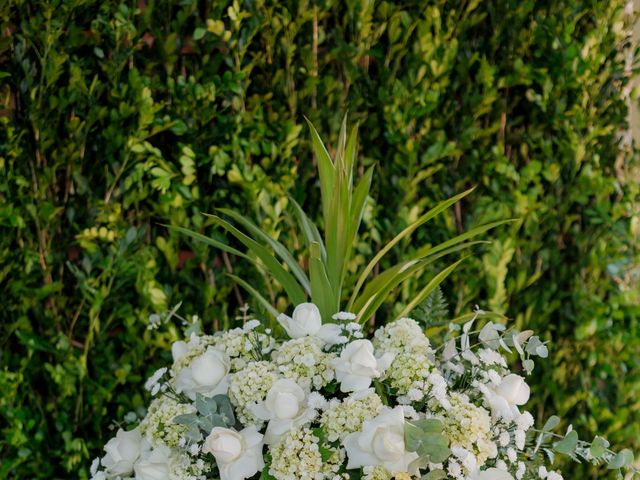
120	118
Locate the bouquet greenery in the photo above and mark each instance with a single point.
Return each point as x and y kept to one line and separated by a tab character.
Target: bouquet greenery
318	395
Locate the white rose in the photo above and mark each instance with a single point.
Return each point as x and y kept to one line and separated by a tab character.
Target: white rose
286	407
154	465
307	321
381	442
514	390
122	452
238	454
357	365
207	374
491	474
179	350
506	396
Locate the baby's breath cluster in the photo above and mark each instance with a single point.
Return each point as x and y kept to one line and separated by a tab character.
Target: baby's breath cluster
346	416
297	457
303	360
326	403
249	386
158	425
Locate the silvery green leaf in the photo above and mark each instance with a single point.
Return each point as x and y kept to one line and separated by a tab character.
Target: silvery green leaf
528	365
551	423
412	437
435	475
621	459
193	433
225	409
489	336
568	444
428	425
598	447
206	424
186	419
450	350
205	405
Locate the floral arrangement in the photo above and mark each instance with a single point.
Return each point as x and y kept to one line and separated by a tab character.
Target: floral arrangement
318	395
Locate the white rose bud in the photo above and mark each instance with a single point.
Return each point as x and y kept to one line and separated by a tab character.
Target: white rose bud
207	374
514	390
238	454
506	396
122	452
286	407
307	321
154	465
357	366
381	442
179	350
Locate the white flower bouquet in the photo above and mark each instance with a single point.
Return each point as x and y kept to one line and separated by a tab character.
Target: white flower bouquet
318	397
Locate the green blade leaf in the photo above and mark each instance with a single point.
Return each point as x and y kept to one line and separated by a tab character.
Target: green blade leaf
275	269
474	232
204	239
424	255
336	231
277	247
351	154
377	299
309	229
442	206
265	303
326	170
322	293
430	287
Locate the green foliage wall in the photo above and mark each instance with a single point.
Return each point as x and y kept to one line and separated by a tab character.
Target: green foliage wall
120	117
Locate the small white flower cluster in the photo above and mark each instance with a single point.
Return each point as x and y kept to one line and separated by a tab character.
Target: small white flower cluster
327	403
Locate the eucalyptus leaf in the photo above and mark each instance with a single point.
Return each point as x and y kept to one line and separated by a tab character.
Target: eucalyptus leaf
568	444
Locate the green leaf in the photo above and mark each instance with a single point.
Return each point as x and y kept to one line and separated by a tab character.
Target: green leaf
427	439
199	33
430	287
380	280
309	229
568	444
263	301
598	447
326	171
442	206
207	240
275	269
322	293
277	247
551	423
622	459
435	475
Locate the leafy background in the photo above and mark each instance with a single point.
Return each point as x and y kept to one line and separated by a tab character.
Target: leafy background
120	117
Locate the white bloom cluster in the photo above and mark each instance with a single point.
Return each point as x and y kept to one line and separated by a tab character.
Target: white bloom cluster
158	426
250	386
329	404
304	361
346	416
297	457
412	373
468	428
